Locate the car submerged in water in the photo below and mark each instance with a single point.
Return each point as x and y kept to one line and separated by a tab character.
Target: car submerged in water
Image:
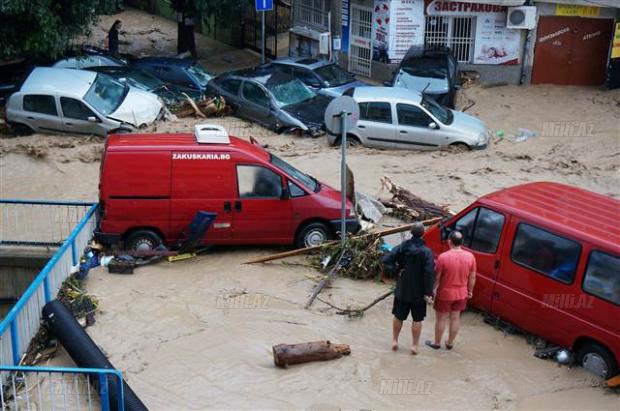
273	99
77	101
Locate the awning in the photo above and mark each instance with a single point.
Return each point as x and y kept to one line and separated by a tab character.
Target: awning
595	3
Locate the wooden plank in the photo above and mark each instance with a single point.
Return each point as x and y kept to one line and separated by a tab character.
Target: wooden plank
301	251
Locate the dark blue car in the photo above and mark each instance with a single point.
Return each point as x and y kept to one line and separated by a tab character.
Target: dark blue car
181	72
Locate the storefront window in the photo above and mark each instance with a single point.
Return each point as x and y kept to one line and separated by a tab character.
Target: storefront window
456	33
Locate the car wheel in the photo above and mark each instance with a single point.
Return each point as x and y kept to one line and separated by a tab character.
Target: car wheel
143	240
312	235
352	141
22	129
459	147
597	359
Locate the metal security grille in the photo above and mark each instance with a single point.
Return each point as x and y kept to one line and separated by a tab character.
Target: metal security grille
457	33
360	49
312	13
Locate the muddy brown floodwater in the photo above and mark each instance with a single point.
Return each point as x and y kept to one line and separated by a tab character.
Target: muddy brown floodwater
198	333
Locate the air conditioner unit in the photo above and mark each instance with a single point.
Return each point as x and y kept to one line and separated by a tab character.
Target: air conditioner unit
211	134
523	17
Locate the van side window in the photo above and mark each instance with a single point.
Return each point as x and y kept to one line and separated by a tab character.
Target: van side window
546	253
258	182
481	229
295	190
38	103
602	279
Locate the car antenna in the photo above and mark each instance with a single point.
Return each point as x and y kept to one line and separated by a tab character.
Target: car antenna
425	87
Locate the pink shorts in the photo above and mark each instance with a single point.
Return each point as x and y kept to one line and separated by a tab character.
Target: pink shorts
446	306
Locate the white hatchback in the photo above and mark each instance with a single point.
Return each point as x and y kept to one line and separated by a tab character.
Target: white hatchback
406	119
74	101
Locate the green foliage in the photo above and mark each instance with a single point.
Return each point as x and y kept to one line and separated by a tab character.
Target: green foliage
225	12
45	27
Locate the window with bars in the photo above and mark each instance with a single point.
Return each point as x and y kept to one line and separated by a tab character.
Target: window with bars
312	13
457	33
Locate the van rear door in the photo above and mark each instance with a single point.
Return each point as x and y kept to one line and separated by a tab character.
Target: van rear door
482	230
261	214
202	181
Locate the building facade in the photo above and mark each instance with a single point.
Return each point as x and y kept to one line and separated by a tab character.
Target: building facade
370	37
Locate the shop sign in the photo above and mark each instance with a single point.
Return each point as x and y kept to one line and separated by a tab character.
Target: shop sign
570	10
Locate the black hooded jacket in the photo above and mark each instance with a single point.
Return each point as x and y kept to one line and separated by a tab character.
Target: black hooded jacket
416	261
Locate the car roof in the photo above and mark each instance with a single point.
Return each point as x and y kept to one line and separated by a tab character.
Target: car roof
263	75
180	141
387	94
58	80
168	61
307	62
567	209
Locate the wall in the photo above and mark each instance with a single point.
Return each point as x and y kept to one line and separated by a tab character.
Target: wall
17	270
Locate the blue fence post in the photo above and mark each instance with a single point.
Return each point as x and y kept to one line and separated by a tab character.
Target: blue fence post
15	342
73	253
46	288
103	392
120	393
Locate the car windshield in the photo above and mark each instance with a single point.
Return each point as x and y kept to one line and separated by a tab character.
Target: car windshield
106	94
429	72
147	81
442	114
333	75
199	73
308	181
290	92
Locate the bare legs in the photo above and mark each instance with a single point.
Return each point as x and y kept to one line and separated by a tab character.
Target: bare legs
416	330
454	318
397	325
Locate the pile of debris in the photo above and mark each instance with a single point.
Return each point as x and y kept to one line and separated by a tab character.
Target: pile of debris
214	106
407	206
83	305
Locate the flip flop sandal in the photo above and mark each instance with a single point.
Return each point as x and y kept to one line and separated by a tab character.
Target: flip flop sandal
432	345
449	347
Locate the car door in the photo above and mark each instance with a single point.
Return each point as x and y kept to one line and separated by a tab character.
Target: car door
40	112
483	232
375	125
260	212
256	104
416	128
78	118
230	90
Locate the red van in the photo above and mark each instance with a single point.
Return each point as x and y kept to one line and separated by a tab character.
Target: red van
152	185
549	262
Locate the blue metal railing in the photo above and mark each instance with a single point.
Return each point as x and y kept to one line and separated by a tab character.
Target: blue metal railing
58	393
22	321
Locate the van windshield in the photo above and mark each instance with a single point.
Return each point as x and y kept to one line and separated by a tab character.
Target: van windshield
309	182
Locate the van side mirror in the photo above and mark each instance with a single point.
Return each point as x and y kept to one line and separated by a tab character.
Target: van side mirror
286	194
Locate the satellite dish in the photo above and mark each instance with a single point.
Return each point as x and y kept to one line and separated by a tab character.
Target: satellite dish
333	114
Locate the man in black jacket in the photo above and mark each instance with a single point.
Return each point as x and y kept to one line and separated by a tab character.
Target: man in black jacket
414	287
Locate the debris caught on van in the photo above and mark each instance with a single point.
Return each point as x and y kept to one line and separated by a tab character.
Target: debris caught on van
290	354
407	206
208	107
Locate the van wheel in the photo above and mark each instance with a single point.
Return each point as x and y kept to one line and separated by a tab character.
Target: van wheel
597	359
313	234
143	240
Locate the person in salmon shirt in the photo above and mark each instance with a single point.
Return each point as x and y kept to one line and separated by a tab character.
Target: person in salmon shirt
454	284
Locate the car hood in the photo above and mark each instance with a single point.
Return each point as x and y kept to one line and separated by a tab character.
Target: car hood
338	91
310	112
432	85
139	107
466	123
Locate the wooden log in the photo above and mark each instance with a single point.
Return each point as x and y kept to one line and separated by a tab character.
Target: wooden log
289	354
614	382
301	251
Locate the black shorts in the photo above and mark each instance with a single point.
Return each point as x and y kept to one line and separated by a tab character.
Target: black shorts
401	310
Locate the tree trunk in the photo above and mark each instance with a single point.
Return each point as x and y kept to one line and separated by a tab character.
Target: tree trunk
288	354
